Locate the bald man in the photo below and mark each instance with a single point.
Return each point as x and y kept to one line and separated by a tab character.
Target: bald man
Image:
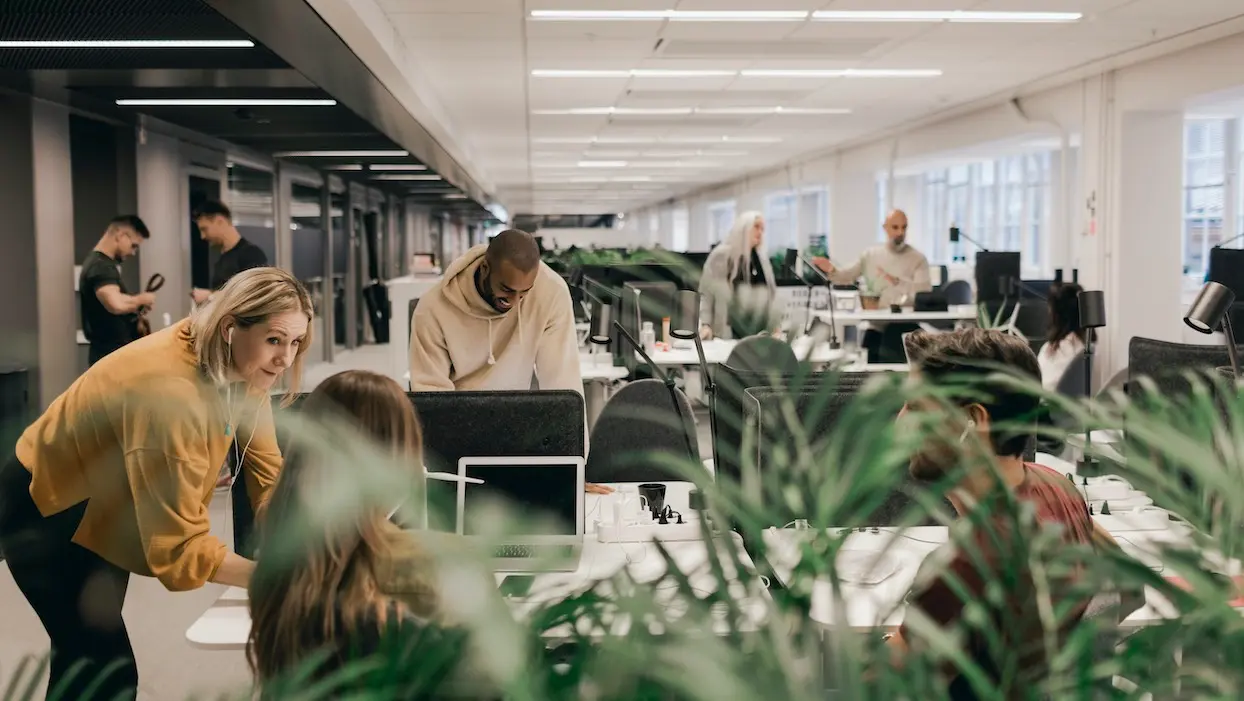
893	271
499	314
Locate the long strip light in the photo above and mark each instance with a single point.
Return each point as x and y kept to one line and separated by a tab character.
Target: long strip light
655	140
944	16
223	102
397	166
769	73
677	111
407	177
129	44
672	15
342	154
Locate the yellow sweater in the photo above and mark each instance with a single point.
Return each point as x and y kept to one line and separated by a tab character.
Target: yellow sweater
141	435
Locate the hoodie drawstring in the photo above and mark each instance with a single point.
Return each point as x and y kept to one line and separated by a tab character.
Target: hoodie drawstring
492	360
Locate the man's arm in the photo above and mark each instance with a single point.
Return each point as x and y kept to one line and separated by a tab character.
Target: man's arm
429	354
921	281
841	276
557	355
117	302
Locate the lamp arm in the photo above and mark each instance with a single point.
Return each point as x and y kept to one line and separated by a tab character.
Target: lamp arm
664	376
1232	352
833	321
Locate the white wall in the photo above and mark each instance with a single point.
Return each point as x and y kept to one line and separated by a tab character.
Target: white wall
163	205
58	359
1116	212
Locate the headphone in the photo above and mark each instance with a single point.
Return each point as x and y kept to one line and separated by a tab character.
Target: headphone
968	428
229	338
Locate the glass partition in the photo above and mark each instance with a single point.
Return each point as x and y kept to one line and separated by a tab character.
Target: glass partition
251	199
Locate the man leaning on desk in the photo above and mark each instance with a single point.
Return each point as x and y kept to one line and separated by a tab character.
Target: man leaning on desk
499	314
981	447
894	271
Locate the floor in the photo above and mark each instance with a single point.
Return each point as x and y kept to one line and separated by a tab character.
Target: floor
169	668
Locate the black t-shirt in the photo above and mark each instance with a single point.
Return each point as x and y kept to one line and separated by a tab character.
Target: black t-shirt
106	331
243	256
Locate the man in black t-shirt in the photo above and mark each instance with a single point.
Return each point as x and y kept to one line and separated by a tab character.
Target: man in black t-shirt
215	223
109	312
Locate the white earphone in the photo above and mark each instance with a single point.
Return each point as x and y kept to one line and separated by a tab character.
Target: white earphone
229	338
971	425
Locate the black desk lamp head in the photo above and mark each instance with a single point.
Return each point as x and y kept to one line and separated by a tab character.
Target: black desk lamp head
602	323
1092	308
1210	312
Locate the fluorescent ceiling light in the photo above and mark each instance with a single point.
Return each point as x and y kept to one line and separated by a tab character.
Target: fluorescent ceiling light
130	44
602	164
454	196
594	111
671	15
342	154
943	16
630	73
408	178
397	166
653	140
841	73
352	166
222	102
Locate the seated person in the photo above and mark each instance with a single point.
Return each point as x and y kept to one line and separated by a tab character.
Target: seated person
983	460
894	271
737	285
344	587
1066	339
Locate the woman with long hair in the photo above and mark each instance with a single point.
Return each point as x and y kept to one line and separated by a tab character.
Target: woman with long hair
335	584
116	476
737	286
1065	339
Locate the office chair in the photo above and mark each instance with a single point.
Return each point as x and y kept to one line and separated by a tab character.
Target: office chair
1165	363
958	292
638	423
763	354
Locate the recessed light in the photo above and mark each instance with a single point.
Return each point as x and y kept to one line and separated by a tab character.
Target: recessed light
671	15
631	73
454	196
406	177
342	154
222	102
943	16
602	164
350	166
130	44
397	166
841	73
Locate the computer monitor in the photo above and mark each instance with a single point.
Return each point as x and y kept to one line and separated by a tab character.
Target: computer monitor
1226	267
997	273
547	491
529	424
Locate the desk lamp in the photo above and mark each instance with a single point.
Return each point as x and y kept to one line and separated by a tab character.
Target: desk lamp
1210	312
1092	310
686	325
602	321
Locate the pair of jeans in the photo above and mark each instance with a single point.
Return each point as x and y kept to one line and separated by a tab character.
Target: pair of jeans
76	594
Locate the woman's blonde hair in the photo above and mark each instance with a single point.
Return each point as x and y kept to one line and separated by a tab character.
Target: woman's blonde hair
323	590
739	240
249	298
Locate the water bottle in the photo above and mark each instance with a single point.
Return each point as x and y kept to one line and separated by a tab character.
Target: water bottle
648	337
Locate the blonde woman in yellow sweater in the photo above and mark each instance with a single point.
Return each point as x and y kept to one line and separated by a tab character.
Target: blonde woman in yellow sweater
115	478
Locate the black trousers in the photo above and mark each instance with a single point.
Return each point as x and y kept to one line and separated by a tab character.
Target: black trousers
76	594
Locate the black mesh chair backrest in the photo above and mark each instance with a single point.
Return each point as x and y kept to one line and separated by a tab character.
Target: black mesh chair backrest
819	410
645	418
958	292
761	353
1033	319
1165	363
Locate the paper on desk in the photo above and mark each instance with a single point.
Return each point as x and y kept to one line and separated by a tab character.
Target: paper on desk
865	567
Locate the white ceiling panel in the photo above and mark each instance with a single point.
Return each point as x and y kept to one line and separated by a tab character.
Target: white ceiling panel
477	56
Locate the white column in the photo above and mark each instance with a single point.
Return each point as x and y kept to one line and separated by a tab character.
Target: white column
697	223
853	208
665	227
53	233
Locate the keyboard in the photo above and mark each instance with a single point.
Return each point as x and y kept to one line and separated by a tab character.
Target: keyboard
520	551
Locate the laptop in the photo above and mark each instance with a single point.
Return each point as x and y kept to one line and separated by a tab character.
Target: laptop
548	491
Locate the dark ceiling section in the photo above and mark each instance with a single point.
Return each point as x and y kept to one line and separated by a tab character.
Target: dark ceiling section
92	79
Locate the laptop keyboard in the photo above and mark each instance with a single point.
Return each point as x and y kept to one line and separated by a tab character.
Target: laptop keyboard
527	552
514	551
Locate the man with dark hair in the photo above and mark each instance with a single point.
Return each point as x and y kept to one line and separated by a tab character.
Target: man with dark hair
109	312
499	314
215	223
975	448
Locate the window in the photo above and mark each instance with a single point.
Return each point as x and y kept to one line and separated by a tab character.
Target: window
1204	191
682	230
933	213
720	219
984	224
1036	205
883	204
793	217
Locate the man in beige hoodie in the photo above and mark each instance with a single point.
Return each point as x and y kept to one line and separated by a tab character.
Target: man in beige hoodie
498	314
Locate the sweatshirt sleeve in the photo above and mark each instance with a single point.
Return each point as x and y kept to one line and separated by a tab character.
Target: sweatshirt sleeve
262	463
557	356
429	354
167	466
849	275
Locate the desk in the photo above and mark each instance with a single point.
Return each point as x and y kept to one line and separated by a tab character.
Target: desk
226	624
959	314
717	351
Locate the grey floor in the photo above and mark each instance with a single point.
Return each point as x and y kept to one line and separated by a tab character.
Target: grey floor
170	669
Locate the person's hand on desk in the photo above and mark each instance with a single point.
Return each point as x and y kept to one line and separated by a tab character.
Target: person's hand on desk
706	332
591	488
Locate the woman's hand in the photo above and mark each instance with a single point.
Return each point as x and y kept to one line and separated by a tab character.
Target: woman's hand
591	488
235	571
824	264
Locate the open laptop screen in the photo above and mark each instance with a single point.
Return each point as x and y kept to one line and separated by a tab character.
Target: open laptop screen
546	495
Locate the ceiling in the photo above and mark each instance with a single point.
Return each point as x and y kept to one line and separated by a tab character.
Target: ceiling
479	56
93	79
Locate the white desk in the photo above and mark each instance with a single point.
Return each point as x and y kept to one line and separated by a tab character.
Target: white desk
226	625
598	372
958	313
717	351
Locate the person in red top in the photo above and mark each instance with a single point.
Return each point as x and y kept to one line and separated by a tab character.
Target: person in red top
1002	503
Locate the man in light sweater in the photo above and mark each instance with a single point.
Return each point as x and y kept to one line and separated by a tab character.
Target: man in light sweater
498	314
894	271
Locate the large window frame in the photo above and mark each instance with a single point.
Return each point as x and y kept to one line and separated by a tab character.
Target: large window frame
793	217
1207	143
720	218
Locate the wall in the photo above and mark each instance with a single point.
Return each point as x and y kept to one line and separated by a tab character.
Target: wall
19	315
54	235
163	205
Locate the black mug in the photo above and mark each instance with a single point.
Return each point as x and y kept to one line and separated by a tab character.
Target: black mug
654	495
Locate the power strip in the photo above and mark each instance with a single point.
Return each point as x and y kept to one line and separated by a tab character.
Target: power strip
647	532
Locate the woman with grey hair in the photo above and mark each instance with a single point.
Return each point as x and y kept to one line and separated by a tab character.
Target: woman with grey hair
737	287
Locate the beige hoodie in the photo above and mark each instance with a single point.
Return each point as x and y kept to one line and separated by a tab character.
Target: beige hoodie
459	342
